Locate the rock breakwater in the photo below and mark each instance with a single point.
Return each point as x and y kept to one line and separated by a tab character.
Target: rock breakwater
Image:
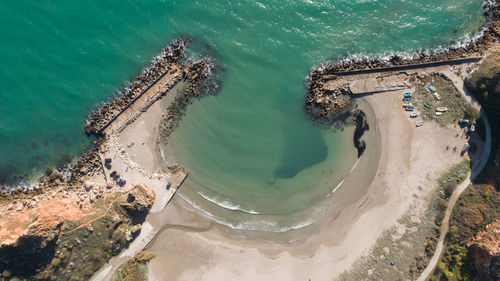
197	75
169	60
323	105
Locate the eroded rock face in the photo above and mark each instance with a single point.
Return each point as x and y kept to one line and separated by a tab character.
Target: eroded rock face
32	237
484	249
28	253
137	202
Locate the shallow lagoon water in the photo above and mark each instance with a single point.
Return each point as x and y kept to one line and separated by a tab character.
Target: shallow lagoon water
251	148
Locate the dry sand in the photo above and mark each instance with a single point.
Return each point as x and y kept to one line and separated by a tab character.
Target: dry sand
410	163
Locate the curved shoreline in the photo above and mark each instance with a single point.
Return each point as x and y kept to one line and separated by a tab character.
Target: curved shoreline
174	54
407	160
83	169
245	224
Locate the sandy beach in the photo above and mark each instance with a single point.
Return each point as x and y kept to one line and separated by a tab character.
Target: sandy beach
408	164
304	160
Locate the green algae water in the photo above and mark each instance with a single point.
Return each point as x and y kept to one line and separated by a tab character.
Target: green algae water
250	150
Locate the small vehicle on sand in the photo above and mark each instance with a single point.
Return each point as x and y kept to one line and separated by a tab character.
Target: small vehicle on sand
420	124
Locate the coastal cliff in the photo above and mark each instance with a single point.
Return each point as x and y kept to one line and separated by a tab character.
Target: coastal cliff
76	212
50	240
484	249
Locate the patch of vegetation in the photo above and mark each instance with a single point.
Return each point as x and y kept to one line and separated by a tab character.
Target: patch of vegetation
454	177
398	254
450	97
412	249
479	205
83	247
484	84
135	269
476	208
95	244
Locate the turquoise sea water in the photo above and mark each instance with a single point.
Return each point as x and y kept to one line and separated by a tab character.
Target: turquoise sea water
251	148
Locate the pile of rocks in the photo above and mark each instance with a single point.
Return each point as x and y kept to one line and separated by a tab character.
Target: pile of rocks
168	61
323	104
490	35
484	249
196	74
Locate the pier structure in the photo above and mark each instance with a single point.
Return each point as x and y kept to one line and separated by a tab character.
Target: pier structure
127	135
395	78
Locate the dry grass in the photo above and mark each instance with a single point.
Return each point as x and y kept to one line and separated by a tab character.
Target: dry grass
407	245
458	107
412	242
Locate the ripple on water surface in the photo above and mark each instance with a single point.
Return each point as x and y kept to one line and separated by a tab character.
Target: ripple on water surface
251	147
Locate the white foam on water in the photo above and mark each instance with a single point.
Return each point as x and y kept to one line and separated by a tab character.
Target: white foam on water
252	225
227	204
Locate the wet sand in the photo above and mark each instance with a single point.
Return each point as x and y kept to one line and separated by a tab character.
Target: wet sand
380	189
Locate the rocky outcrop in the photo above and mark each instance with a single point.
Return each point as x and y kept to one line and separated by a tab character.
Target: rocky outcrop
484	249
169	60
33	242
198	75
322	104
137	202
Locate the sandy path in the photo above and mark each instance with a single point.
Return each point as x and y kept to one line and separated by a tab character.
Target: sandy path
444	230
136	157
476	169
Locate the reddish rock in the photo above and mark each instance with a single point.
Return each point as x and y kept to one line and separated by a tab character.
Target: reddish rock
484	249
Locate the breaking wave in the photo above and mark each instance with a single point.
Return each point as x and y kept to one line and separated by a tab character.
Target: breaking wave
227	204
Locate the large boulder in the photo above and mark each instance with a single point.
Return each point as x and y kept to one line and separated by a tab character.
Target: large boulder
137	201
484	248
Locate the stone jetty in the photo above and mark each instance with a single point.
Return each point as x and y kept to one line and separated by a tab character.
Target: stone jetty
171	61
322	104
